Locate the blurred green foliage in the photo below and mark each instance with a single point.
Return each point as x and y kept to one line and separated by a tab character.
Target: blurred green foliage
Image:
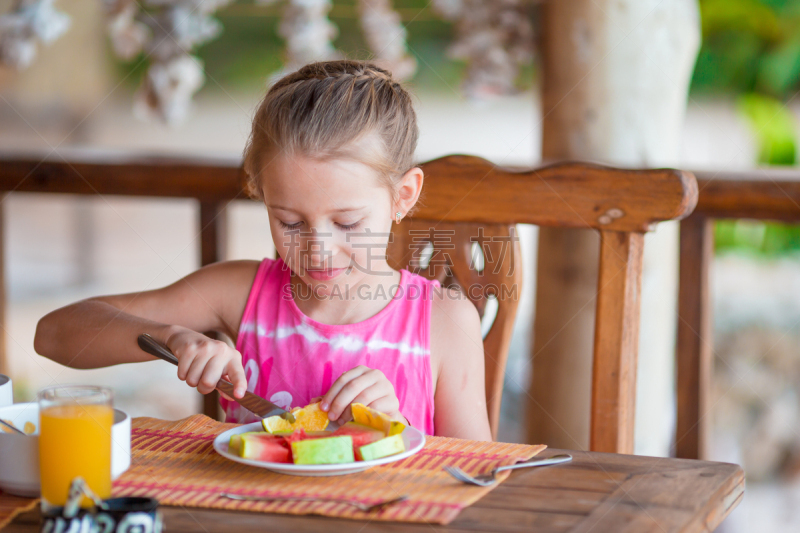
773	126
749	46
249	48
751	50
756	237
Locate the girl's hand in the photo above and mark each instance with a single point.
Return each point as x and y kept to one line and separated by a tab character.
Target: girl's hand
203	361
361	385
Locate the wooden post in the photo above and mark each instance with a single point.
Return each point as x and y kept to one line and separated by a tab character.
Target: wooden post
695	339
611	92
213	241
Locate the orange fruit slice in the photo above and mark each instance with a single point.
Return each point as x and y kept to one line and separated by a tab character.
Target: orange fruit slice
310	418
375	419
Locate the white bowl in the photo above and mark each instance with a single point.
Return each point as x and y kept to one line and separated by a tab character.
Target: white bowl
19	454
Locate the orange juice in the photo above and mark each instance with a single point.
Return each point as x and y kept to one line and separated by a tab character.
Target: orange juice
75	440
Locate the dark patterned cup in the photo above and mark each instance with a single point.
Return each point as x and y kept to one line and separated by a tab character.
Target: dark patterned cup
117	515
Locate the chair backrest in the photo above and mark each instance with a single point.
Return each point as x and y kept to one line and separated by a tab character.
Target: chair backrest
463	234
483	260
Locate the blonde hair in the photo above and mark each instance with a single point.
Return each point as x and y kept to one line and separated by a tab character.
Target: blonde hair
343	109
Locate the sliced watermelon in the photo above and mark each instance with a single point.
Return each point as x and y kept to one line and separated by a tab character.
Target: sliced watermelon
301	434
361	434
265	447
279	447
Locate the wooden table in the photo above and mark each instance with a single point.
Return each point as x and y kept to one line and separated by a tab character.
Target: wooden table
598	492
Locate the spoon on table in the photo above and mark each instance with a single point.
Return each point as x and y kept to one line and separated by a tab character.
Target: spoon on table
486	480
12	427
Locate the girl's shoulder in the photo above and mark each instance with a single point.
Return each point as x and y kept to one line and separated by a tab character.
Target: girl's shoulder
226	273
224	277
452	309
446	301
227	283
239	284
455	327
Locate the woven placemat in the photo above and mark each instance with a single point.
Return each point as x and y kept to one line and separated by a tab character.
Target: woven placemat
11	506
175	462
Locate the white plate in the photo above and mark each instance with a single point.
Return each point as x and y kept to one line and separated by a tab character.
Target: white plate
412	437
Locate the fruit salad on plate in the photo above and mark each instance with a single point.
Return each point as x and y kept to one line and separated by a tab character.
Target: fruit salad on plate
371	435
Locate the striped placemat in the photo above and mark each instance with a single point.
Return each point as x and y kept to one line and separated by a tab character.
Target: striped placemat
175	463
11	506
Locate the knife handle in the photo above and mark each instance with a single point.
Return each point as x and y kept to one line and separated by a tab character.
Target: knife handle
227	387
153	347
249	401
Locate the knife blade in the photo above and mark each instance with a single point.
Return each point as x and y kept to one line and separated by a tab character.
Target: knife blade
251	402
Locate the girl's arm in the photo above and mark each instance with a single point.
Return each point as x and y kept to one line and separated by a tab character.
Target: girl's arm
457	350
102	331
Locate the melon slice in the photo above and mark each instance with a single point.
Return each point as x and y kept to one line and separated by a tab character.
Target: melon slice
235	444
265	447
325	451
310	418
375	419
361	435
382	448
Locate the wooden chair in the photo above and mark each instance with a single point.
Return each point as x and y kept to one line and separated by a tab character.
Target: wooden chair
469	206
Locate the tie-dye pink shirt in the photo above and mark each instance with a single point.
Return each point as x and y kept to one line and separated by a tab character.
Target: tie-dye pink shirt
289	358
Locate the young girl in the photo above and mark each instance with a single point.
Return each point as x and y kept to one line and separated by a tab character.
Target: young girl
331	155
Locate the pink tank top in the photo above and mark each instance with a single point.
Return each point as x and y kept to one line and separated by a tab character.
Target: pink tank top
289	358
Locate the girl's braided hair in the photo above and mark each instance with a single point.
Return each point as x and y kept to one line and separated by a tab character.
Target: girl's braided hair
343	109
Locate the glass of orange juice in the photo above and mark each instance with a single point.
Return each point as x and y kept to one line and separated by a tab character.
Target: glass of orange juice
74	440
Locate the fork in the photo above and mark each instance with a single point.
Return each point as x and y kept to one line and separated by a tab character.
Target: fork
486	480
358	505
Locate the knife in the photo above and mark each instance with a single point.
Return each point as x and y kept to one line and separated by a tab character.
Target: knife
251	402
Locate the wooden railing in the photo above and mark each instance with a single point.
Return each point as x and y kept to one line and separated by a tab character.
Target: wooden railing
764	194
214	182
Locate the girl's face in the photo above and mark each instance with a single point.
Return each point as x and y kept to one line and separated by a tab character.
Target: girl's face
330	220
